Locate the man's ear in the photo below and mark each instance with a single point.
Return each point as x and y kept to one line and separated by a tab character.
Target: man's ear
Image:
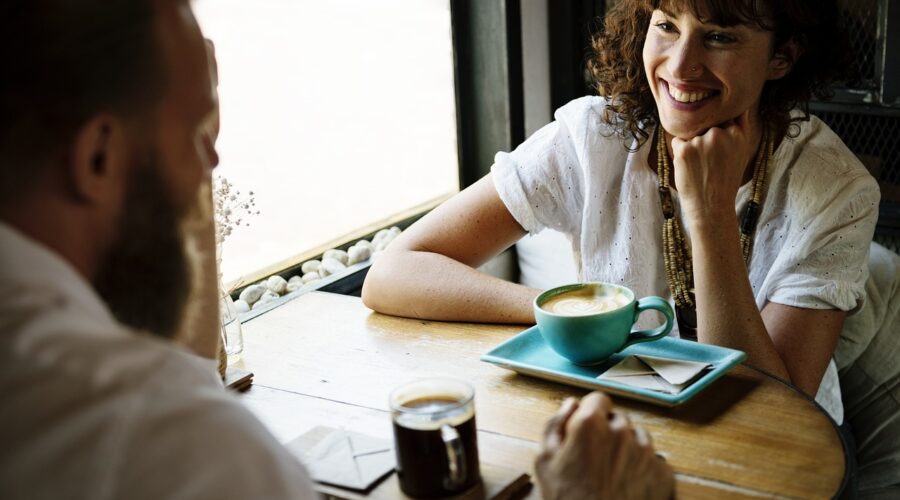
99	157
785	58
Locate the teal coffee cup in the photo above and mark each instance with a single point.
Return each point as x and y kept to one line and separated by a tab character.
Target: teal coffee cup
589	322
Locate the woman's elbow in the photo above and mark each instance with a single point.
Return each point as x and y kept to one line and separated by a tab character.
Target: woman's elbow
375	289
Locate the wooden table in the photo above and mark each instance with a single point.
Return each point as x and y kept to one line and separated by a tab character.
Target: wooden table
326	359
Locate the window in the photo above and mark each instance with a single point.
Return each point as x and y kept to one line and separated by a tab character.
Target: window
335	114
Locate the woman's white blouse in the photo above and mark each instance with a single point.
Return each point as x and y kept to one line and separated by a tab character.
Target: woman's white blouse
577	176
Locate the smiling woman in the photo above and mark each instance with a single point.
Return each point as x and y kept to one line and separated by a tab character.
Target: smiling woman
749	213
336	115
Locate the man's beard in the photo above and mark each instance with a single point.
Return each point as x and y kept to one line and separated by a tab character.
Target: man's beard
145	278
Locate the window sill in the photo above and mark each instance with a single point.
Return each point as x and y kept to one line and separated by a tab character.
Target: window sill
348	282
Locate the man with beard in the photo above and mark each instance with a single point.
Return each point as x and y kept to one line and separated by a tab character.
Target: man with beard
107	111
108	117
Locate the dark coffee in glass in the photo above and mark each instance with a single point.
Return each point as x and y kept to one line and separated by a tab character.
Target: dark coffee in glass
435	438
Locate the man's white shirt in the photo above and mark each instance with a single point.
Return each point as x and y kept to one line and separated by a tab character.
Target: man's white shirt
92	409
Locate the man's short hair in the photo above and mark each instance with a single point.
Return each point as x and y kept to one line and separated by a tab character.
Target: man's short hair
62	62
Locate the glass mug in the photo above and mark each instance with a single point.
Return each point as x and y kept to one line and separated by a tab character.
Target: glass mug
434	437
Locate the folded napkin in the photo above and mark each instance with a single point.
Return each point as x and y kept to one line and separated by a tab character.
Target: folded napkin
666	375
346	459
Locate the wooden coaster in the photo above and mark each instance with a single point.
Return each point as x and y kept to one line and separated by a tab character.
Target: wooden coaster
237	379
497	482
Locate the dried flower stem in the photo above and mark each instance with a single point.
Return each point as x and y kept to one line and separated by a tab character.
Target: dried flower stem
231	208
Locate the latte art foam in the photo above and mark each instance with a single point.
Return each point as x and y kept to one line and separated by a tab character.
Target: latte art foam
585	302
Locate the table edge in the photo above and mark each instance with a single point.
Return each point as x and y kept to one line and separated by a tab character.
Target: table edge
837	429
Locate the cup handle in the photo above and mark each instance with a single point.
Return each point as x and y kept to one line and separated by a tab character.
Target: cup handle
456	457
657	304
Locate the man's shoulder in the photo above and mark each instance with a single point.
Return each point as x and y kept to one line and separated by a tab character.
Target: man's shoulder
140	415
95	377
188	428
204	439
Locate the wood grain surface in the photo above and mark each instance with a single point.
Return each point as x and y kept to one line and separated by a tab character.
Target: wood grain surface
326	359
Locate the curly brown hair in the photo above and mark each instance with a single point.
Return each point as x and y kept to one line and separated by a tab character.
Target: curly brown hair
617	67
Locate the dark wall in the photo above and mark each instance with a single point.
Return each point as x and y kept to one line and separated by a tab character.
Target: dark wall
571	24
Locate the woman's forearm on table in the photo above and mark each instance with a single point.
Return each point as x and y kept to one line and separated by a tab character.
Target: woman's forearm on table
727	313
432	286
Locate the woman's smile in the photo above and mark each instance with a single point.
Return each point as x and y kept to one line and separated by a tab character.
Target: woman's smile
688	98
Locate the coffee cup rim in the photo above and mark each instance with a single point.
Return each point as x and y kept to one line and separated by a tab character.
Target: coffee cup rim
470	395
571	287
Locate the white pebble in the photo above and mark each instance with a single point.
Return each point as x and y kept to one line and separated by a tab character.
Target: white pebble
386	240
276	284
365	243
358	254
241	306
330	266
338	255
295	279
380	235
310	276
252	293
265	299
293	286
310	266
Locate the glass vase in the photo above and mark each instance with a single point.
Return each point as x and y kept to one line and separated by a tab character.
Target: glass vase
232	336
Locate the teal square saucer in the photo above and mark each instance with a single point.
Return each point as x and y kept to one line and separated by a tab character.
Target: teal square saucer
528	354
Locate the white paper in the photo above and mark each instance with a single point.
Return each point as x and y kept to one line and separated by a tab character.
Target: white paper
675	371
670	376
349	459
629	367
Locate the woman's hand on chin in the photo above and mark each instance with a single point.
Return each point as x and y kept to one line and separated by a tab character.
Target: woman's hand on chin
709	168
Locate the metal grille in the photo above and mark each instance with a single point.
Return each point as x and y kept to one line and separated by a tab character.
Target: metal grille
872	134
861	23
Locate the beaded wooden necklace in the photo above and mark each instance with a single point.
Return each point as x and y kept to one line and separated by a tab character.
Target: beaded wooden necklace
677	254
